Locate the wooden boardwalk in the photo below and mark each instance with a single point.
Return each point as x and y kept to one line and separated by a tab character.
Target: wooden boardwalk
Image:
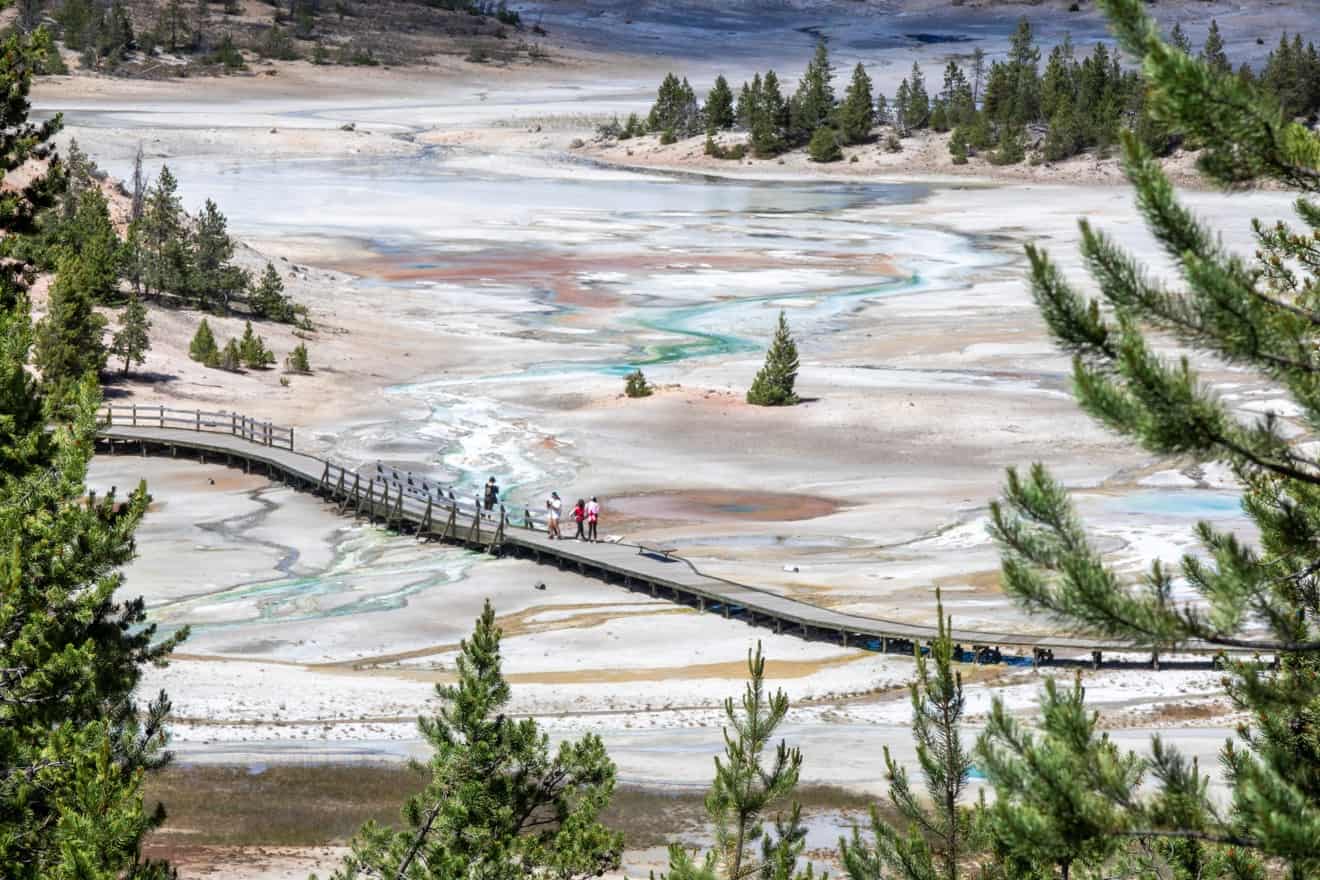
409	502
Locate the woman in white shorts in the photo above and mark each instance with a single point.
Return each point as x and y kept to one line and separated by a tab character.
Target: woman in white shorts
553	507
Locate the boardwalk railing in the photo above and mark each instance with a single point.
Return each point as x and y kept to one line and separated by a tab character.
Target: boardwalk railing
236	425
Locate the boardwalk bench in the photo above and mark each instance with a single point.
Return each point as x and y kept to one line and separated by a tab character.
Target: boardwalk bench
665	553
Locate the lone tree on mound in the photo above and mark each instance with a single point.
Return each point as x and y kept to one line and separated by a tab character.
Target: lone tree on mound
1258	314
635	384
773	385
497	805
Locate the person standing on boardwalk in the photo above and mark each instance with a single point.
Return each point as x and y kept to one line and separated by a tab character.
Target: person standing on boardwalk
593	514
553	506
492	494
580	517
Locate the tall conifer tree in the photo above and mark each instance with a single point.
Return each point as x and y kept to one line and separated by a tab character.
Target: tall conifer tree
719	105
1257	315
935	841
498	804
73	742
857	113
747	790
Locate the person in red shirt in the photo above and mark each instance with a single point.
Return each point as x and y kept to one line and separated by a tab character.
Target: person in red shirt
579	517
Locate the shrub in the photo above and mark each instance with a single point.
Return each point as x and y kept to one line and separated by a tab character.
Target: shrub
297	361
230	359
227	54
278	45
893	144
635	385
668	137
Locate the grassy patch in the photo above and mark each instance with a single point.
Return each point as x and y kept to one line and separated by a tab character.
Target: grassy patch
315	805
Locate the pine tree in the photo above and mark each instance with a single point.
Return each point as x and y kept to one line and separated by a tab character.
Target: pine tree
958	146
773	385
744	110
1057	86
73	743
957	95
1010	150
902	104
883	115
78	178
1257	315
252	350
139	188
746	789
1212	53
719	106
939	117
675	108
767	130
857	113
297	362
813	103
133	341
1064	137
1179	40
1058	791
215	281
1013	87
267	299
498	804
165	250
203	348
70	341
824	146
978	73
916	115
88	241
936	839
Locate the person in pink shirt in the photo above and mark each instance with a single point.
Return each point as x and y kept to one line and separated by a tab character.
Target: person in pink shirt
593	514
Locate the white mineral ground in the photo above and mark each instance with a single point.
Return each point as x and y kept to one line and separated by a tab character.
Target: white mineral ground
479	290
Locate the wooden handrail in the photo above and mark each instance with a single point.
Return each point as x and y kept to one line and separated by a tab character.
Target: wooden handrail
222	422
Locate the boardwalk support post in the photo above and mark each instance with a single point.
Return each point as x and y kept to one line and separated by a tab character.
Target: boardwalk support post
497	540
